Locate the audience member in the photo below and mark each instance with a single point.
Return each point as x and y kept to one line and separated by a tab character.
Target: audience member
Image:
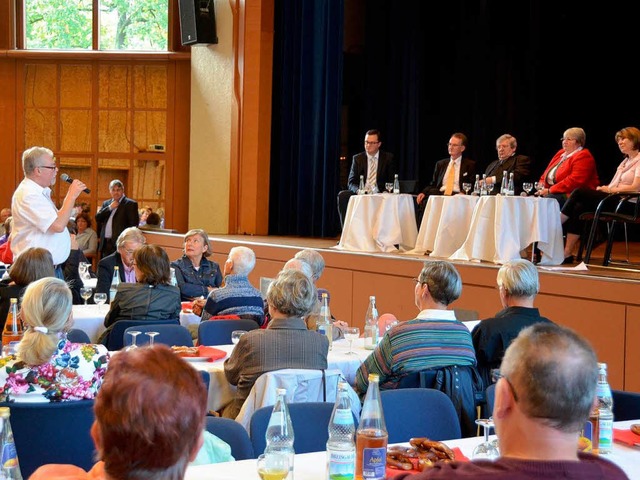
47	367
4	239
153	222
152	298
70	266
195	273
4	214
571	167
128	242
518	286
36	220
34	263
285	343
508	161
433	339
237	296
626	180
87	238
160	212
143	213
455	169
139	430
116	214
374	165
544	396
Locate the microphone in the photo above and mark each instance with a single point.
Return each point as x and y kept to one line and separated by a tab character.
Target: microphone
68	179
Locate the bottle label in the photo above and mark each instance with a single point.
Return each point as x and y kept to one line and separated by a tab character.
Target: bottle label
343	416
9	455
342	464
374	463
605	437
276	419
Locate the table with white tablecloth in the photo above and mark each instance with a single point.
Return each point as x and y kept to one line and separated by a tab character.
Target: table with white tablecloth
377	223
312	466
502	227
445	224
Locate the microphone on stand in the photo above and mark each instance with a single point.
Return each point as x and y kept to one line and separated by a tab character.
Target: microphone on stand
68	179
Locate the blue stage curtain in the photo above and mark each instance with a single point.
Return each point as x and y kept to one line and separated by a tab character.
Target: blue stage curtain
307	96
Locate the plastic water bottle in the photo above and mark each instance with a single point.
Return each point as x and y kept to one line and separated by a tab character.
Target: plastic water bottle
371	325
361	188
503	185
476	186
511	187
396	184
605	411
341	446
115	282
483	187
279	435
371	437
174	280
10	467
324	324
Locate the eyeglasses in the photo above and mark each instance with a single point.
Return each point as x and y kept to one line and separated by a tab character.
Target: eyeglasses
371	143
453	145
50	167
417	280
567	139
496	375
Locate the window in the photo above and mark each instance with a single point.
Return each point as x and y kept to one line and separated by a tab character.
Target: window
140	25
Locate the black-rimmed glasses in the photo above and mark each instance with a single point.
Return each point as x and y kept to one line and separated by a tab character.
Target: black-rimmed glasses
371	143
54	167
417	280
496	375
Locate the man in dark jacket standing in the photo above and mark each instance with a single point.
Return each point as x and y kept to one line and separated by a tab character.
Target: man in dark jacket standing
116	214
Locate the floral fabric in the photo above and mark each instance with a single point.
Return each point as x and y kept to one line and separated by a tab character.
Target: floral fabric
74	372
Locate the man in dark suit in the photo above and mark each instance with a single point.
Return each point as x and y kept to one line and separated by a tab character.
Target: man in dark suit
115	215
519	165
464	171
128	242
380	164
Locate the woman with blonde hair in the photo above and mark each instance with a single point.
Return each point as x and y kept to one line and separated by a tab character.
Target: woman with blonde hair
47	366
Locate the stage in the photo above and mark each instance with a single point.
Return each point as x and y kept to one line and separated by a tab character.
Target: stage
601	303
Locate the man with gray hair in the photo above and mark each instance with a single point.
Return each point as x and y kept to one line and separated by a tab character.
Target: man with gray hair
237	296
116	214
36	220
543	398
518	286
128	242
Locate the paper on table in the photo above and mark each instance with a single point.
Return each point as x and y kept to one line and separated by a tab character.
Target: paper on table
626	436
581	267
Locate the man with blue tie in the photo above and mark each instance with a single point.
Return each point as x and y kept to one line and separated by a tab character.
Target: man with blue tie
375	166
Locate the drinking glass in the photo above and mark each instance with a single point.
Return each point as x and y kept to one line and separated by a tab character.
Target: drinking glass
389	186
133	345
151	335
85	293
82	270
236	334
466	187
487	450
351	334
489	186
538	186
527	187
273	466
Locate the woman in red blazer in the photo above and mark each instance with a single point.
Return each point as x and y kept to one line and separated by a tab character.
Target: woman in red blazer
571	167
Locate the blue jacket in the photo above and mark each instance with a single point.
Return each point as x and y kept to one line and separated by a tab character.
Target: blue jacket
193	283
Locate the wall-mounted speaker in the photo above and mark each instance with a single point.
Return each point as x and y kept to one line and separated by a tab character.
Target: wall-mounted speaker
197	22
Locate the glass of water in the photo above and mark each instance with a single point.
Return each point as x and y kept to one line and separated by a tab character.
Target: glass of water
236	334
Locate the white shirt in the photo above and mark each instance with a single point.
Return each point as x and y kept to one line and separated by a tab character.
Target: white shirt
456	176
33	213
431	314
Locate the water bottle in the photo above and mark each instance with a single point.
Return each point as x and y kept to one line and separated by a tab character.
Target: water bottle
115	282
174	280
361	188
279	435
605	411
503	185
9	467
371	325
341	446
324	324
511	187
396	184
483	186
476	186
371	437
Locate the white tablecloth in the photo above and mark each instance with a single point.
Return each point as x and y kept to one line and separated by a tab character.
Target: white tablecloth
312	466
503	226
445	224
376	223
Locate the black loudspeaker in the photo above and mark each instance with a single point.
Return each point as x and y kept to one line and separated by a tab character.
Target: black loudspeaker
197	22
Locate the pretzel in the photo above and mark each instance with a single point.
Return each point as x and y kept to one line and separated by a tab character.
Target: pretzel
185	351
441	451
635	428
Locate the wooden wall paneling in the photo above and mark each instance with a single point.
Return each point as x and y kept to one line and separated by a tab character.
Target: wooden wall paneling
76	81
114	131
76	130
631	350
150	127
114	86
9	157
393	294
341	281
150	86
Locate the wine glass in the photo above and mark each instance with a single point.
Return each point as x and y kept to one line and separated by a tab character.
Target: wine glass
486	450
133	345
151	336
236	334
351	334
273	465
100	298
489	186
82	270
389	186
466	187
527	187
538	186
85	293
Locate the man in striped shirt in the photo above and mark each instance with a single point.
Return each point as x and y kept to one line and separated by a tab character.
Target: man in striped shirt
433	339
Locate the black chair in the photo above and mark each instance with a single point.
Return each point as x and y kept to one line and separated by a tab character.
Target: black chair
626	405
419	412
218	332
234	434
310	421
114	340
52	433
167	334
76	335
